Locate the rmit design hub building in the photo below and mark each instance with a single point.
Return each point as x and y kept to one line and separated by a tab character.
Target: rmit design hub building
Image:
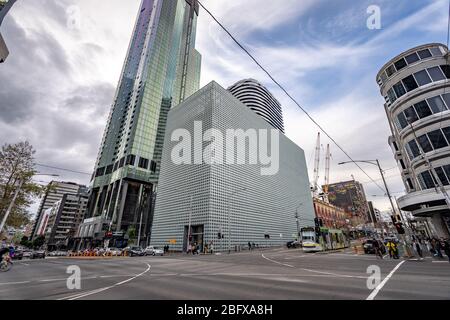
161	69
415	85
228	205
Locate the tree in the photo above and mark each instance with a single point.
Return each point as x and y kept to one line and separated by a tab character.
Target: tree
16	167
38	242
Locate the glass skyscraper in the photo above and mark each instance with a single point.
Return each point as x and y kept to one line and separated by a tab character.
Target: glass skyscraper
161	69
5	5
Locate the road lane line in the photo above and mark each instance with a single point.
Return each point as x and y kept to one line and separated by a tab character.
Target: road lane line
92	292
381	285
283	264
20	282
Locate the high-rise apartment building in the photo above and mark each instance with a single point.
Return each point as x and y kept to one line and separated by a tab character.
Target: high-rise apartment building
415	85
55	192
228	203
161	69
259	99
5	5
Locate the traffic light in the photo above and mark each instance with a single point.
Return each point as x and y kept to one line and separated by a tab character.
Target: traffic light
399	227
317	222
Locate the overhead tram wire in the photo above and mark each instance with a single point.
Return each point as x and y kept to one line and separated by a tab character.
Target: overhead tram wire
62	169
288	94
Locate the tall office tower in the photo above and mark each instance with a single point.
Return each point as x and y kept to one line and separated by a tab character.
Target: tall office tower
215	197
161	69
258	98
350	196
416	89
5	5
55	192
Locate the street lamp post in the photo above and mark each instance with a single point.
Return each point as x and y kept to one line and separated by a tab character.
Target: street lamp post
229	215
297	220
16	194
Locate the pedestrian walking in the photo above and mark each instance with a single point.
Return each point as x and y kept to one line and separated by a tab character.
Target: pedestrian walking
390	246
438	248
249	246
418	248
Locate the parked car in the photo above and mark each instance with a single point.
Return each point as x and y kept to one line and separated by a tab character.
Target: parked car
18	254
370	249
115	252
27	254
135	251
153	251
293	244
38	254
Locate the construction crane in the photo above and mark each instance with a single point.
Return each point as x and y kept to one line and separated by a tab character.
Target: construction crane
327	174
315	187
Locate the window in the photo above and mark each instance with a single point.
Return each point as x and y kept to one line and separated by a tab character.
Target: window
446	132
423	110
402	121
390	70
100	172
436	52
131	159
422	78
143	163
446	97
412	58
436	74
423	54
399	89
116	166
411	115
402	164
153	166
441	175
400	64
447	170
391	95
109	169
446	70
425	143
428	180
437	139
122	162
410	185
436	104
410	83
415	152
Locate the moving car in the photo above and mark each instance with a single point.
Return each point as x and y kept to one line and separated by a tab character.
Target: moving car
293	244
153	251
38	254
135	251
370	249
27	254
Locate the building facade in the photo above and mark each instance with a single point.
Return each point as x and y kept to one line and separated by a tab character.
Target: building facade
332	217
228	204
259	99
64	219
417	94
162	68
55	192
350	196
5	6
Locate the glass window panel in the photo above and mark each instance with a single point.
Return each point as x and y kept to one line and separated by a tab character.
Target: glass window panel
428	180
425	143
412	58
437	139
414	148
410	83
390	70
446	70
422	78
411	115
446	132
422	109
447	170
399	89
383	77
436	104
436	74
402	120
423	54
436	52
391	95
400	64
446	97
441	175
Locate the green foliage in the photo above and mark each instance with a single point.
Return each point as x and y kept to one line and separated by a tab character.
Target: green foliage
38	242
17	169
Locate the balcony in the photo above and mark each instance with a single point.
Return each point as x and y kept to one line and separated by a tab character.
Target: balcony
424	203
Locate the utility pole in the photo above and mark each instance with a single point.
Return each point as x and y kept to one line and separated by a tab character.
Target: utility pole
298	222
11	204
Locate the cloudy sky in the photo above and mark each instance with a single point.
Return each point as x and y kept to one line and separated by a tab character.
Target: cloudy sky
65	59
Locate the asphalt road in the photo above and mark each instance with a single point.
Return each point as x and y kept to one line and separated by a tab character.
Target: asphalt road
264	275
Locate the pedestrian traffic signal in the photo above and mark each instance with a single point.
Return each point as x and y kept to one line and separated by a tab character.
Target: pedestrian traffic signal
399	227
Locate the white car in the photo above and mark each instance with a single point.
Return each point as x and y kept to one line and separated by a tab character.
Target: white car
154	251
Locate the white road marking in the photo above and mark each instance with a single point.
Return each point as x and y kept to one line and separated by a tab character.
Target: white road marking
439	261
382	284
7	283
283	264
92	292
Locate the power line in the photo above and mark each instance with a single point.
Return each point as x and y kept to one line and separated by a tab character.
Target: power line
62	169
288	94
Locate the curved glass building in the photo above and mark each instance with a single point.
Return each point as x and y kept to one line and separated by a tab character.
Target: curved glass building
417	93
255	96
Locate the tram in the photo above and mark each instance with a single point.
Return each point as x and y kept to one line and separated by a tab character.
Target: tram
322	239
